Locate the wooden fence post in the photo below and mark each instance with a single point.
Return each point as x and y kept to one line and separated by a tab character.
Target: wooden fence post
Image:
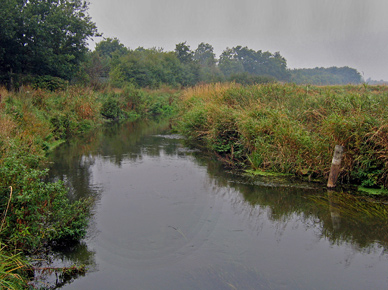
335	166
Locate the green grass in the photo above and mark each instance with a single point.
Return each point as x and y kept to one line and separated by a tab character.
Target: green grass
293	129
11	269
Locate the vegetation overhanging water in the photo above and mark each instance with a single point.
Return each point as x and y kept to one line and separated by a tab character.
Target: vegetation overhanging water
161	203
283	128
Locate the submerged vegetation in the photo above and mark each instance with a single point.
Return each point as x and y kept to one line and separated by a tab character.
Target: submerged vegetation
293	129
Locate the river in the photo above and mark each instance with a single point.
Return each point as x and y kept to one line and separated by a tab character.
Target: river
167	217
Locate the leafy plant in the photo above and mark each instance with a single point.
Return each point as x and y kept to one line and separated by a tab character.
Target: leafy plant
40	211
49	83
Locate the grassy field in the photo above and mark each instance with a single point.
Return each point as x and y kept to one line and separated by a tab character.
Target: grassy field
293	129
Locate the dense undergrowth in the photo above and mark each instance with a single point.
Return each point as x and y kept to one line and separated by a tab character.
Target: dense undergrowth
35	212
293	129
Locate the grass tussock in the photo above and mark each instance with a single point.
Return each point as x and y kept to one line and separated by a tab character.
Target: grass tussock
293	129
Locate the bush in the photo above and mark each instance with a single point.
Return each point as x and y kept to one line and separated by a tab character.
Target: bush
110	108
49	83
39	211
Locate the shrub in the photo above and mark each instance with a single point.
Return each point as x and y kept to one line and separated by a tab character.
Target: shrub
39	211
49	83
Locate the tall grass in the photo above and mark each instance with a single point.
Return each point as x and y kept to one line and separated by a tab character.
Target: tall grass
31	123
293	129
11	271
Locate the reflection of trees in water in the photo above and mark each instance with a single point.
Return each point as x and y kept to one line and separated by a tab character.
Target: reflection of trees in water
118	141
66	256
72	163
339	217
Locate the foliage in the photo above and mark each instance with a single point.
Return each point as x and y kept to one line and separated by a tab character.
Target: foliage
249	79
39	211
326	76
242	59
110	108
113	63
146	68
293	129
183	53
110	47
204	55
49	83
31	123
94	71
132	102
43	37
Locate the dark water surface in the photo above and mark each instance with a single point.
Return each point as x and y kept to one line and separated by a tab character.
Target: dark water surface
166	217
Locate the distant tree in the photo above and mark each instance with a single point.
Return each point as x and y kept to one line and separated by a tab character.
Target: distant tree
94	70
326	76
250	79
204	55
43	37
240	59
229	64
190	73
183	52
109	46
147	68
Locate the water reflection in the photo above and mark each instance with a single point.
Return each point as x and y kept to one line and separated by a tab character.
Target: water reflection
340	217
213	229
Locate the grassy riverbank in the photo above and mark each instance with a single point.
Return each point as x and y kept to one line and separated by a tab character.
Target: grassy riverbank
32	122
293	129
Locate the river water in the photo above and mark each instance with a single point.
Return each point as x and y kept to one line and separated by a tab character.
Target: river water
167	217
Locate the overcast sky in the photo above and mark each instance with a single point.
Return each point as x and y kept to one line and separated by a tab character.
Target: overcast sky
308	33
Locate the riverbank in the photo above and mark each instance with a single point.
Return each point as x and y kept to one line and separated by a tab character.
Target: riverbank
32	122
293	129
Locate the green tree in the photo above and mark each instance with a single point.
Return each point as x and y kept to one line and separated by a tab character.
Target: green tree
229	64
94	70
204	55
109	46
240	59
43	37
183	52
326	76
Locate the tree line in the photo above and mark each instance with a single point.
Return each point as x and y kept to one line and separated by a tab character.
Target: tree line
326	76
112	62
44	42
